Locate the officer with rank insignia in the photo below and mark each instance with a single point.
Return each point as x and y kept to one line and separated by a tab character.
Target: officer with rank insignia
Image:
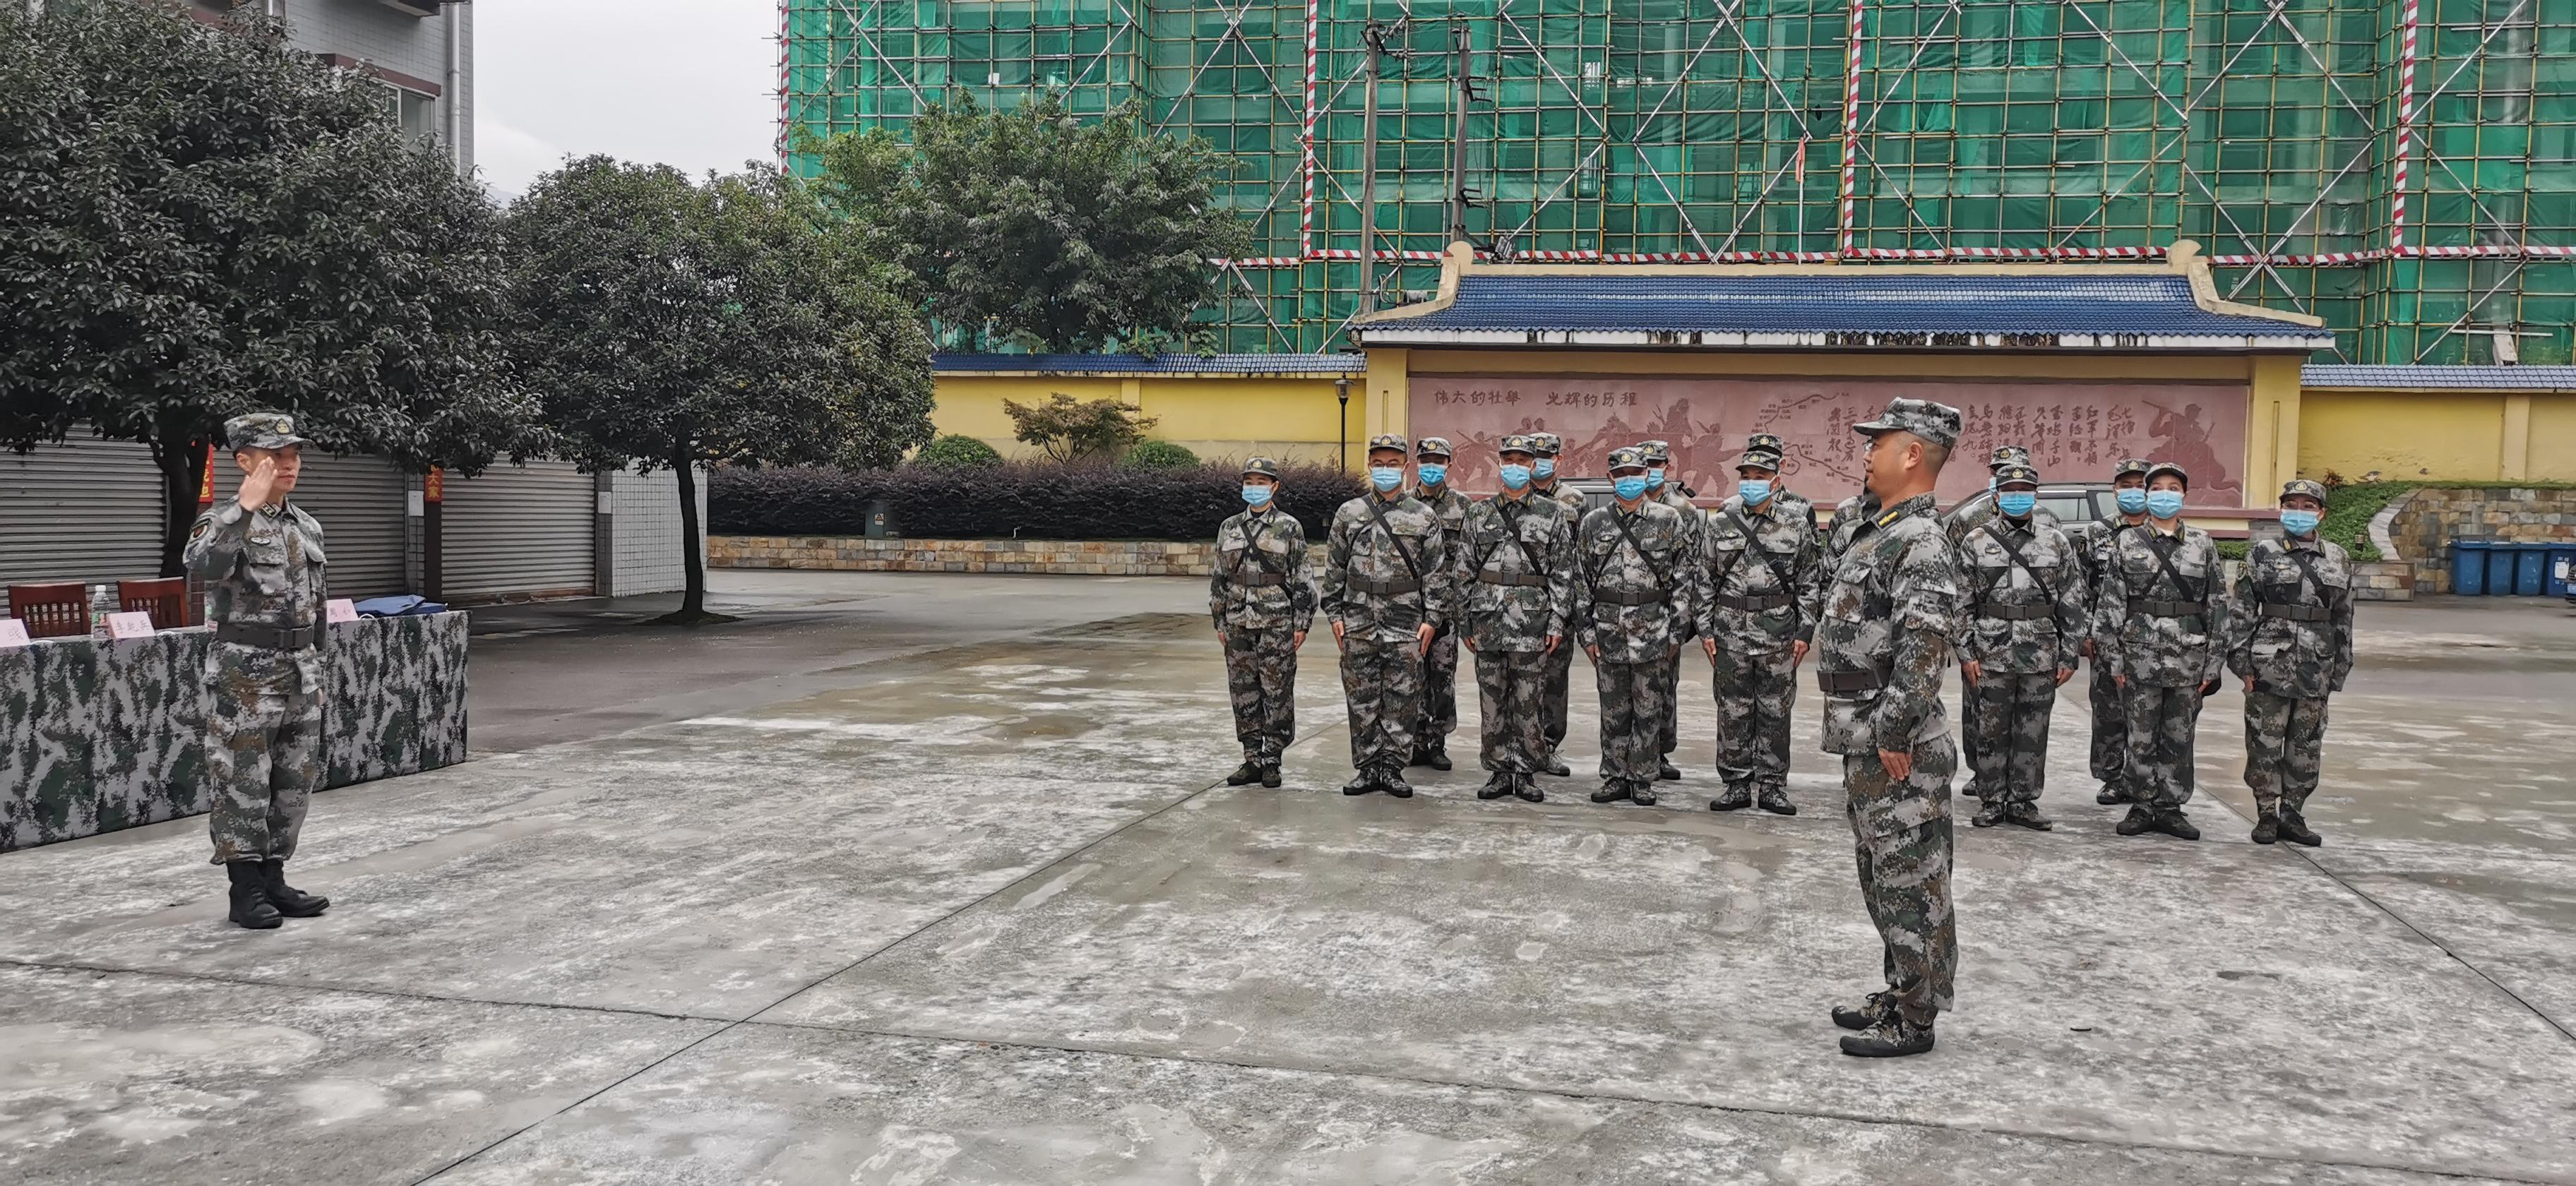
2110	750
2026	624
1659	461
1387	591
1629	600
1560	662
1890	611
2291	642
1263	600
2160	626
1518	594
262	562
1440	665
1763	568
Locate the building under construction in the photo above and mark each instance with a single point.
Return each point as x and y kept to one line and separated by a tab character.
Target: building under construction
2405	169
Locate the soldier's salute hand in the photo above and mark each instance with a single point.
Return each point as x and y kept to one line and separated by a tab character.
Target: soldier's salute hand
257	483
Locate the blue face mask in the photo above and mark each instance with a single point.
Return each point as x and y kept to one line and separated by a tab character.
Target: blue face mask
2016	503
1546	467
1629	488
1516	476
1655	479
2300	523
1433	473
2164	504
1385	477
2133	500
1258	496
1756	491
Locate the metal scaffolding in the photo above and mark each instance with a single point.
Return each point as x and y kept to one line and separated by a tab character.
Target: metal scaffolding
2404	168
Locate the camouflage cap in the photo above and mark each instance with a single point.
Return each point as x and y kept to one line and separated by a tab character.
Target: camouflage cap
2303	488
2008	455
1759	458
1264	466
1657	452
1764	442
2170	467
1549	444
1631	457
1934	422
1431	447
2016	475
1389	440
262	430
1519	442
2130	465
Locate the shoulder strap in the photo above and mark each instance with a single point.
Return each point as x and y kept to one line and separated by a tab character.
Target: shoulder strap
2182	587
1753	543
1511	531
1663	579
1379	513
2013	552
2308	568
1252	546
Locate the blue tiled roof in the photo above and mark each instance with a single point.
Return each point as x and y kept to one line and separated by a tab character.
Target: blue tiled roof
2483	378
1160	364
1849	308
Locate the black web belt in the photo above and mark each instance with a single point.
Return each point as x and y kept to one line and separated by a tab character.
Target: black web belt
278	638
2296	613
1649	597
1386	588
2014	613
1523	579
2168	609
1756	605
1834	682
1261	580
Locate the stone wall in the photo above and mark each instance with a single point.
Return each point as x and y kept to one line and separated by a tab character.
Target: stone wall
2436	515
2383	580
1064	557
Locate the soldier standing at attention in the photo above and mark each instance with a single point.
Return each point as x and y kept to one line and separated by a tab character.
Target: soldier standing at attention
1519	553
1628	604
1560	662
1890	611
2291	641
1440	664
1763	568
1387	592
261	559
1659	459
1961	520
1263	600
1790	502
2026	622
2160	628
2092	545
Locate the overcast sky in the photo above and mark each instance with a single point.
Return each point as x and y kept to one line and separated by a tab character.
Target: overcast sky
691	83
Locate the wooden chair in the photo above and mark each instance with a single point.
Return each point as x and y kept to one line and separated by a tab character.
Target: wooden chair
166	600
51	611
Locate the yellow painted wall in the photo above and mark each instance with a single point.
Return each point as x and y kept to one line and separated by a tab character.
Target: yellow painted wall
2468	436
1215	416
2553	439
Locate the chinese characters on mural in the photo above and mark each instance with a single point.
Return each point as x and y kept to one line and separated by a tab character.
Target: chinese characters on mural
2075	431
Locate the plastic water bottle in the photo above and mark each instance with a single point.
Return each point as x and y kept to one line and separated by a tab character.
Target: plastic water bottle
102	602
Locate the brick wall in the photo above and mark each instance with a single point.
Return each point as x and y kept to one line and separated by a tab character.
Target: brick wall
860	554
2434	516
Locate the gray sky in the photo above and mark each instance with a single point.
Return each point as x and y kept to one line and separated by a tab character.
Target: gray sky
690	83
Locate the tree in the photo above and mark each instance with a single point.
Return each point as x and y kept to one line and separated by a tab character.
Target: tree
1066	429
197	222
675	324
1058	234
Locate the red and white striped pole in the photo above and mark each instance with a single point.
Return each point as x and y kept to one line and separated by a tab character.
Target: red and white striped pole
2405	128
1851	127
1306	138
782	83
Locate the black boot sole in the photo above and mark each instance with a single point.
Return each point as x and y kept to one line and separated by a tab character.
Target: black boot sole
2033	825
1786	809
1863	1048
311	910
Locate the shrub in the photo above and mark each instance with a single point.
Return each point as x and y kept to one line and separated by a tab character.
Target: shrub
1159	455
1029	499
1071	430
957	451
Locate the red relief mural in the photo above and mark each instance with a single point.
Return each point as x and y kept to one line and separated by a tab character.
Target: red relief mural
2075	431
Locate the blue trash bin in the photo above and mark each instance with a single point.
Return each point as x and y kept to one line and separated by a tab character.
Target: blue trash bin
2500	560
2469	567
2530	569
2562	569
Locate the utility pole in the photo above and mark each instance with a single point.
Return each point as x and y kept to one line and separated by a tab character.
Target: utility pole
1374	36
1460	40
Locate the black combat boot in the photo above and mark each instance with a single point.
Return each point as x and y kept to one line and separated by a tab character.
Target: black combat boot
1642	794
2177	825
1270	775
1496	786
290	901
1527	788
1250	771
1612	791
1436	754
2110	796
250	905
2294	828
1556	767
1666	772
1872	1012
2140	818
1776	801
1391	781
1989	814
2267	830
1893	1038
1361	783
2027	815
1735	798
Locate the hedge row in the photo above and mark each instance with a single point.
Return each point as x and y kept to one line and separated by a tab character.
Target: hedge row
1023	499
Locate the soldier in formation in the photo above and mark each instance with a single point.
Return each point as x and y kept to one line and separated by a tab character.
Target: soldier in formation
2159	625
1889	614
1629	601
2026	608
1440	663
262	562
2290	640
1560	662
1961	520
2110	748
1762	566
1659	461
1791	502
1387	591
1263	600
1517	594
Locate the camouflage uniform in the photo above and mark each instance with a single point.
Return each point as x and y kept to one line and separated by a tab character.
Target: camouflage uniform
1789	503
1559	692
1440	666
1659	454
1262	597
1958	523
2291	629
1629	603
1379	600
2110	750
2169	643
1850	515
265	576
2025	622
1763	572
1518	557
1890	611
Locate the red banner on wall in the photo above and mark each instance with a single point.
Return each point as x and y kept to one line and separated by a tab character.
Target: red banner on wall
2075	431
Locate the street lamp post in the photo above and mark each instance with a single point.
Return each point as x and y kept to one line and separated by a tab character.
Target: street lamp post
1342	451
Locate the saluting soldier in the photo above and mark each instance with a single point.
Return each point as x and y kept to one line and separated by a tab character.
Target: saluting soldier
2110	749
1628	605
1890	613
1387	592
2026	625
1559	662
261	559
1764	569
1659	460
2160	627
1440	664
1263	599
2291	643
1520	565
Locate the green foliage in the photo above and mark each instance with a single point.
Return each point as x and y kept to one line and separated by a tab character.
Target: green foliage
675	324
196	222
2351	507
1159	455
1046	232
1068	430
957	451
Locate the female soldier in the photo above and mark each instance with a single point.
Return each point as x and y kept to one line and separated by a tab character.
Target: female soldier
2160	628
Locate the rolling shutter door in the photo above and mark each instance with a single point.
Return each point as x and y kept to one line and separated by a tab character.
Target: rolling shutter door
360	502
519	531
83	510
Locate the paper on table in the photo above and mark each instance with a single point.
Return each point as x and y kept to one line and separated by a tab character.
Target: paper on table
13	633
340	609
136	624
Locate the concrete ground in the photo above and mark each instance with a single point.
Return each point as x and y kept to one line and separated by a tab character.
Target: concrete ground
919	879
